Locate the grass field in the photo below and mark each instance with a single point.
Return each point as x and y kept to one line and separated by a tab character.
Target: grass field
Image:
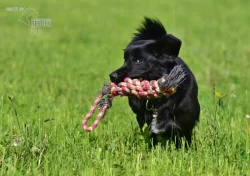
58	73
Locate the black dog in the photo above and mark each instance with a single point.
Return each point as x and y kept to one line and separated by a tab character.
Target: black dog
151	54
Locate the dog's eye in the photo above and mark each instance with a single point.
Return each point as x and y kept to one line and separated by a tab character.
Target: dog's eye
138	61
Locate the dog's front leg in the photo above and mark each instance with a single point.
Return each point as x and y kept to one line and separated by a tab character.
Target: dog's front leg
165	126
138	107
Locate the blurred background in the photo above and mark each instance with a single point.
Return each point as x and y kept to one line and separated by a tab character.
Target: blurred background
86	39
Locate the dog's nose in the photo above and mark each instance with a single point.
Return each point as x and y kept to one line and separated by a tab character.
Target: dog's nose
113	76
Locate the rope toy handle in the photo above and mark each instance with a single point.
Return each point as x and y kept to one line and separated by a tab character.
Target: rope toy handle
100	115
164	86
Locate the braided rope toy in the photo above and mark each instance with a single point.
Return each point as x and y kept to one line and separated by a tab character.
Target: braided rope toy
165	86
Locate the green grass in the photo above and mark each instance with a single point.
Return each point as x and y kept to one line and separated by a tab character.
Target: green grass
57	75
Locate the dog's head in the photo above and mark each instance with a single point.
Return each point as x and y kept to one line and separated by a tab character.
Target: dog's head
150	54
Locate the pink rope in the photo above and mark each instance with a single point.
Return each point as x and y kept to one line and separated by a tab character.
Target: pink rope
141	89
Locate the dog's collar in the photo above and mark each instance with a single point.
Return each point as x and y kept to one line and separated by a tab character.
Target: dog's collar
152	108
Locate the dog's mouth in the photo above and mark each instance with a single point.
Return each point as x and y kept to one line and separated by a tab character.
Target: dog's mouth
140	78
147	78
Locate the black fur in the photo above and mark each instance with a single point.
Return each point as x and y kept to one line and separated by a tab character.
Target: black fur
151	54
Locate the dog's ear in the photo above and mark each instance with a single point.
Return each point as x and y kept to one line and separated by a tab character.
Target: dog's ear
168	44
